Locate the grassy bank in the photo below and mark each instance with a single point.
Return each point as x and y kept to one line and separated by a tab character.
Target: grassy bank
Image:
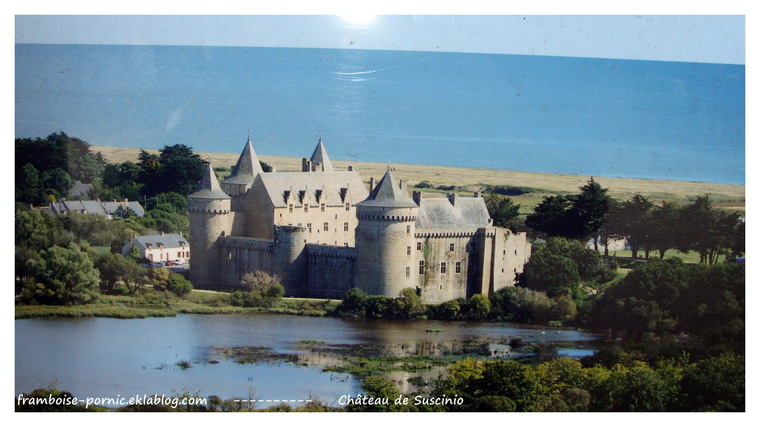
198	302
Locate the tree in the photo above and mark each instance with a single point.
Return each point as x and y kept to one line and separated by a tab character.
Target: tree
58	150
56	183
258	280
115	269
448	310
260	290
176	169
408	305
477	307
637	224
63	276
577	216
29	187
380	388
354	303
34	229
612	227
706	230
646	300
715	384
552	273
550	217
178	285
501	209
590	208
664	223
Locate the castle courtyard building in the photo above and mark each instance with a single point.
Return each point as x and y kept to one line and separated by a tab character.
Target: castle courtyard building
322	231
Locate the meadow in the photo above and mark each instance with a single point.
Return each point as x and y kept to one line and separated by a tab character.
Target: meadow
467	180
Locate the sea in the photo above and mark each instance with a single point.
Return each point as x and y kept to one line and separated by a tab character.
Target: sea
583	116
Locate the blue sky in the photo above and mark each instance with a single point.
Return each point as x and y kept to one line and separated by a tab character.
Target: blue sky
689	38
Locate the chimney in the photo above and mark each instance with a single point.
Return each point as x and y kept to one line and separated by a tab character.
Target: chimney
371	184
417	196
402	185
477	194
305	165
350	168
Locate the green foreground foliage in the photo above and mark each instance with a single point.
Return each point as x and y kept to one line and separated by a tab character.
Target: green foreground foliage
559	385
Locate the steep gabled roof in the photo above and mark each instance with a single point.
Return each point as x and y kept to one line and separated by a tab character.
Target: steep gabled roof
209	187
320	157
166	240
468	212
388	194
329	184
247	167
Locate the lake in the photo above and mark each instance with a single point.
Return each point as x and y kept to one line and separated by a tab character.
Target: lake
249	356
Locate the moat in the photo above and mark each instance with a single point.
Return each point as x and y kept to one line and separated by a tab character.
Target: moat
257	356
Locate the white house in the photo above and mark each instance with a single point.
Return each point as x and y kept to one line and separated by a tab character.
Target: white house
160	247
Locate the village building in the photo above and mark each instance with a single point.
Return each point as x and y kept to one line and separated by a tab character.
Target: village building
323	231
80	189
107	209
159	248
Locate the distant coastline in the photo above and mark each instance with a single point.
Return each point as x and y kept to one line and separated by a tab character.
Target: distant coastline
730	196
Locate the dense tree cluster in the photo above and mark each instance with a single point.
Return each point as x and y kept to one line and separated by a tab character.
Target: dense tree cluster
576	216
565	267
55	263
669	298
47	168
696	226
564	384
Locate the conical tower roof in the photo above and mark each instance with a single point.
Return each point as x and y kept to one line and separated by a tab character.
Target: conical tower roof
320	157
247	167
209	187
388	194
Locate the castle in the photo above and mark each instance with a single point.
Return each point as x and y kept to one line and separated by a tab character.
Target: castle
322	231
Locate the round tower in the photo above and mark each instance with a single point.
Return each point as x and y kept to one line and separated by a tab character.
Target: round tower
209	209
290	258
384	238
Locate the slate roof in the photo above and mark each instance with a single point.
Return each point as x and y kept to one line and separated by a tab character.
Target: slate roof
79	189
167	240
331	184
320	156
209	187
95	207
468	212
247	167
111	207
388	194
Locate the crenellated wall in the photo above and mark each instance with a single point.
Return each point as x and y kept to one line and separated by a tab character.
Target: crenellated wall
241	255
331	270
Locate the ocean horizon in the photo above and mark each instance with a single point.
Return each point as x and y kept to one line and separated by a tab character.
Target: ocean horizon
578	116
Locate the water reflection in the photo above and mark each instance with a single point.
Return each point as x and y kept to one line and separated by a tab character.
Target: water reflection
266	356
